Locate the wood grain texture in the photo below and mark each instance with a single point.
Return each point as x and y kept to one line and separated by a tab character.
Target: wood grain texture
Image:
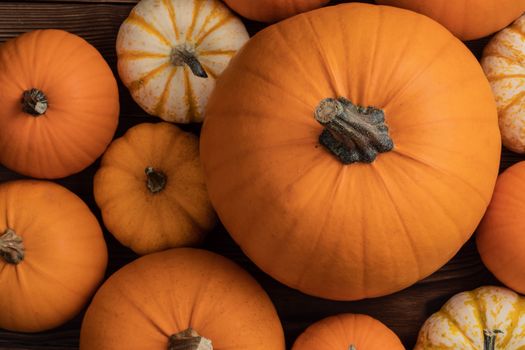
98	21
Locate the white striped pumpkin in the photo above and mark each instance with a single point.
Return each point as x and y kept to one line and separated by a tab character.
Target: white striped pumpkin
170	53
504	64
487	318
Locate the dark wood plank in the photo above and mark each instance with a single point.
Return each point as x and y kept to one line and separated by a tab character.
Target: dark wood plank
98	21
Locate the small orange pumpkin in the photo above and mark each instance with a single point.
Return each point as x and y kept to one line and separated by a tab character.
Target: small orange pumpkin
181	299
347	169
52	255
150	189
499	238
466	19
348	332
272	10
59	101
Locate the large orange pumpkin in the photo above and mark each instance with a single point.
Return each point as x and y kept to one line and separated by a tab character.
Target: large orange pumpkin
272	10
467	19
52	255
500	239
348	332
181	299
59	103
424	158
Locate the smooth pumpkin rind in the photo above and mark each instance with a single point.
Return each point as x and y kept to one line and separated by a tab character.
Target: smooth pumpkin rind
272	10
165	293
362	230
466	19
178	215
346	330
65	256
82	113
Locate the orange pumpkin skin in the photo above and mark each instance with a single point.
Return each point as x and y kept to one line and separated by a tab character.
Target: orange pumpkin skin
82	104
165	293
360	230
272	10
466	19
342	331
64	260
499	238
147	219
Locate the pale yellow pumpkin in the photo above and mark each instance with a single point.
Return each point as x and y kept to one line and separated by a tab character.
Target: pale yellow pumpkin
170	53
503	62
486	318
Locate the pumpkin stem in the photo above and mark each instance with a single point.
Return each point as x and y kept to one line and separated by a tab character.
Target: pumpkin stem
156	180
353	133
186	55
352	347
189	340
34	102
11	247
489	338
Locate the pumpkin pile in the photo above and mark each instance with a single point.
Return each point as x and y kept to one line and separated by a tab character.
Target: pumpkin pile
346	154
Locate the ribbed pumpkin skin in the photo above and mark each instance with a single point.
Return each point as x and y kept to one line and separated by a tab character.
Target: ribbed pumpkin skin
272	10
83	104
165	293
502	62
145	45
341	331
461	322
361	230
65	256
499	238
178	215
466	19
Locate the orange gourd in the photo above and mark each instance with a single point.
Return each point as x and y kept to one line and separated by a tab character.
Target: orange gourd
176	298
59	103
499	238
272	10
150	189
52	255
466	19
279	133
348	332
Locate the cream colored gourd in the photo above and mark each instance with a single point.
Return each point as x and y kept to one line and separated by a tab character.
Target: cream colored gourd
503	62
170	53
487	318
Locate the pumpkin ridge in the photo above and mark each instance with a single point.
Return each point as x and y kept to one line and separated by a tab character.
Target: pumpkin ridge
478	306
138	54
454	323
164	95
513	102
228	17
192	112
173	19
208	18
197	4
499	77
515	53
148	27
229	53
514	324
139	83
496	54
517	30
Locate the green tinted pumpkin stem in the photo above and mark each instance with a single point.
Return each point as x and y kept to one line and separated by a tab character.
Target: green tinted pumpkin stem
189	340
489	338
34	102
156	180
186	55
11	247
352	133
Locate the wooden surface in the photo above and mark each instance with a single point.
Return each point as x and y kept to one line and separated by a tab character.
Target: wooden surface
98	21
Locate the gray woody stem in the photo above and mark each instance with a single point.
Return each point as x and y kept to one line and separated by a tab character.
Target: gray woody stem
489	338
186	55
352	133
34	102
189	340
11	247
156	180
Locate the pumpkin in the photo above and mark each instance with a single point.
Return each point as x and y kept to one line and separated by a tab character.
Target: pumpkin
466	19
348	332
487	318
272	10
502	62
60	104
170	52
52	255
349	169
179	298
499	237
150	189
